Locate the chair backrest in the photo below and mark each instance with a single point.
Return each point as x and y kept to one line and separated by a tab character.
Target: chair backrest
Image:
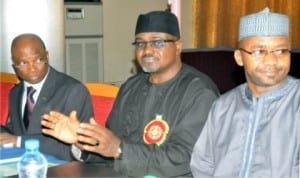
7	81
9	77
103	97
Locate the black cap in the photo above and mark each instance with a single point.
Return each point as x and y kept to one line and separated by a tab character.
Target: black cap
158	21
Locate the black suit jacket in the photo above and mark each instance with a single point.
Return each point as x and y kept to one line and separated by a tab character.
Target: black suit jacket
60	92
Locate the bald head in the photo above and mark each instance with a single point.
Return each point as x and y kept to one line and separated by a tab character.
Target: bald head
30	37
29	57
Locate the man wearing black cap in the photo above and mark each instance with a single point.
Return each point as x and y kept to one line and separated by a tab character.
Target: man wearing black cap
158	113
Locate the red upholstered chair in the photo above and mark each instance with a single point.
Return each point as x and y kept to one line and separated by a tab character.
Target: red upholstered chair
7	81
103	96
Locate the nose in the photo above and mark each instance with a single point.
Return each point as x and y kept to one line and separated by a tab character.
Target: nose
148	48
32	66
270	58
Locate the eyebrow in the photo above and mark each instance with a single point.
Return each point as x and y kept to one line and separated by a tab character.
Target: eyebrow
38	56
265	46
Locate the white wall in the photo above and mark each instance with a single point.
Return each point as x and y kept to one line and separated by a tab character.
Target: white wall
43	17
119	20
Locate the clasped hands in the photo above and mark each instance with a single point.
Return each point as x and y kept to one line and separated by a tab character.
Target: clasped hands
86	136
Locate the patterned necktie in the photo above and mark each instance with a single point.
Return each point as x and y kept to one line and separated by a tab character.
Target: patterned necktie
28	106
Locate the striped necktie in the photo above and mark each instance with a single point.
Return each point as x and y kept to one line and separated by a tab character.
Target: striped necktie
28	106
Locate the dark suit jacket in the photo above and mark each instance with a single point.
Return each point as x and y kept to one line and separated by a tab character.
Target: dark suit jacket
59	93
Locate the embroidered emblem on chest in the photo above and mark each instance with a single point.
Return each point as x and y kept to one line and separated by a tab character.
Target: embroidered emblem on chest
155	131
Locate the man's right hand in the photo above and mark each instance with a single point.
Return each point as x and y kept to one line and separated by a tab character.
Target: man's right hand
7	139
61	126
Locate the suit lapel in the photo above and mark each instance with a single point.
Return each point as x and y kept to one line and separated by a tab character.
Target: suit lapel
42	104
16	107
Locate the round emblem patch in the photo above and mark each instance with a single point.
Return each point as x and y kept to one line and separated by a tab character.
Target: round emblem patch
155	131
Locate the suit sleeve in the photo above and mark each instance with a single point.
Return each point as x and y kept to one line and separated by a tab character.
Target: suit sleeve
76	97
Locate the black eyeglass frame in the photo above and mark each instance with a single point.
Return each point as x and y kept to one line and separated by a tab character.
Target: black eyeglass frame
152	43
265	52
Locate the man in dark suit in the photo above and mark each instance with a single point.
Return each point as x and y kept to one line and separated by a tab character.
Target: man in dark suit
53	91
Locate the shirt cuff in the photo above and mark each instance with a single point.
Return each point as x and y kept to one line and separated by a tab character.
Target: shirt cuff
19	141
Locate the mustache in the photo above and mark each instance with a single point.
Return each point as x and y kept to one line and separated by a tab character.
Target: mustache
270	69
148	55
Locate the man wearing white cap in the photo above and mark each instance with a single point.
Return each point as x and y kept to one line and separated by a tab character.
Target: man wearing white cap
254	129
158	113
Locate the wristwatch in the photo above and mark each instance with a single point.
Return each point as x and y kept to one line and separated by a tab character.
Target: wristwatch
120	150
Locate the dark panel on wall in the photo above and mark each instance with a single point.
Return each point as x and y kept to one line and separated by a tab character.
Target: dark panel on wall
221	66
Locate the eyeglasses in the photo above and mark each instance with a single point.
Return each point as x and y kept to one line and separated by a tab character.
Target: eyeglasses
154	44
259	53
36	63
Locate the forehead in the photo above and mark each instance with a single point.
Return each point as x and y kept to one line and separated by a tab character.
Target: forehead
152	35
265	41
27	46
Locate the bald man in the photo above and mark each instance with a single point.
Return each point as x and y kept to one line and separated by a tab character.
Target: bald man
53	90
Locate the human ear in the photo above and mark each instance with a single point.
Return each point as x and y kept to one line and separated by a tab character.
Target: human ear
238	57
178	45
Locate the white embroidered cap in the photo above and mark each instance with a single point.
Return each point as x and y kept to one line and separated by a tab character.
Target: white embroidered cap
264	23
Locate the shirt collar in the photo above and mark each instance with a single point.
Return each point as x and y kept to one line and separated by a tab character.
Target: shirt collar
276	93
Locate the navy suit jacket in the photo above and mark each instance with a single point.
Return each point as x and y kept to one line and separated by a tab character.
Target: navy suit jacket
60	92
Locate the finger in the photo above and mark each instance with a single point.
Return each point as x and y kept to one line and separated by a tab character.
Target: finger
48	132
4	141
3	135
91	148
8	139
47	117
86	132
73	114
91	126
88	140
93	122
46	124
56	115
88	127
80	145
